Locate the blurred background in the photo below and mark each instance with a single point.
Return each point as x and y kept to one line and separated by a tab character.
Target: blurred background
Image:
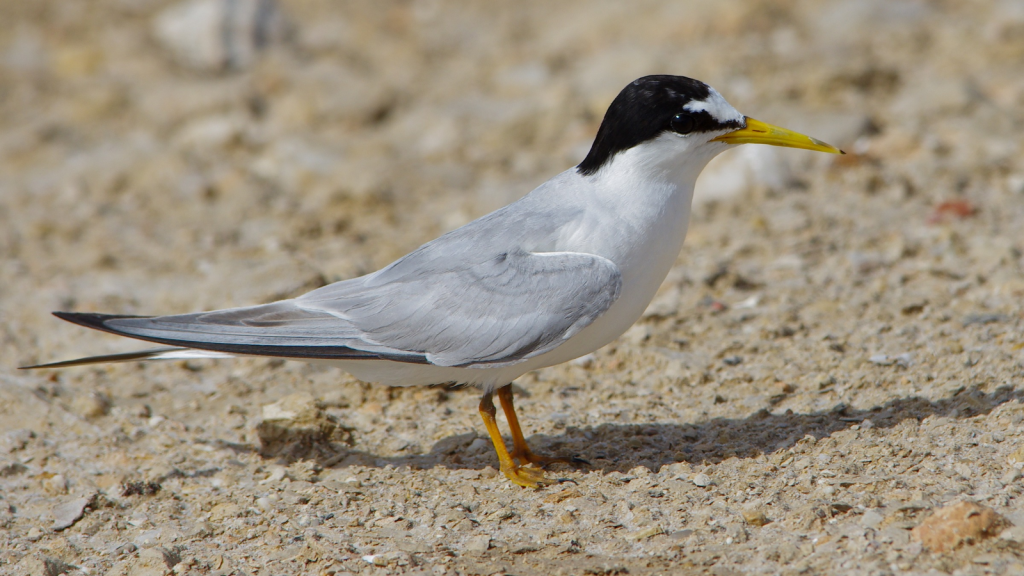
165	156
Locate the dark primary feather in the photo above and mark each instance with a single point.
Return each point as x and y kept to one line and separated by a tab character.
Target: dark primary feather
107	358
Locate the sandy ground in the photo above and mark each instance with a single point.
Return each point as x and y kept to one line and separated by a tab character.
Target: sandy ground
838	353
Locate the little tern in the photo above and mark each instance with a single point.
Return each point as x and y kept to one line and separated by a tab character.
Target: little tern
551	277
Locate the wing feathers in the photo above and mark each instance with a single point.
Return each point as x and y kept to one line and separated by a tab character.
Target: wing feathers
452	311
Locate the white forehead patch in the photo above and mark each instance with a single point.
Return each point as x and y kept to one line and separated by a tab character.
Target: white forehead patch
716	106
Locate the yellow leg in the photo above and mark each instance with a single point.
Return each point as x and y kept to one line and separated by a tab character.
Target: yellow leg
520	449
528	477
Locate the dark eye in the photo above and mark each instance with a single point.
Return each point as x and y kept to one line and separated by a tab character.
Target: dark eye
682	123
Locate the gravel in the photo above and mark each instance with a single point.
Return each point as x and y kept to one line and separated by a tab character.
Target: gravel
839	351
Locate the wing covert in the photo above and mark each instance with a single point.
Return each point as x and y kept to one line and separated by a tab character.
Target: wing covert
512	306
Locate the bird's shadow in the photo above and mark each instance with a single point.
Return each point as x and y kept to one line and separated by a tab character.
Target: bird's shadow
622	447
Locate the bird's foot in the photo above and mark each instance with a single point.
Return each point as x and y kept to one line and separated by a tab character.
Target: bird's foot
527	476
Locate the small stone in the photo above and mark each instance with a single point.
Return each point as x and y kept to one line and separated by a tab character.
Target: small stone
637	334
37	563
296	426
702	480
138	519
881	360
898	536
148	539
11	468
6	514
139	488
963	523
265	504
91	406
65	515
755	516
215	35
871	519
566	494
1016	458
277	473
1011	476
201	530
676	470
412	545
222	512
645	533
15	440
153	562
56	484
478	544
1013	534
34	533
304	470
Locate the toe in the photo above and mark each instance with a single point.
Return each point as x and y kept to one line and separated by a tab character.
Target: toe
528	477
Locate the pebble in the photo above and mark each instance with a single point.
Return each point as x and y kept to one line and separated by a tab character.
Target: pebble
477	446
277	473
645	533
266	503
56	484
871	519
11	468
1016	458
15	440
904	360
6	514
153	562
755	516
65	515
702	480
223	511
91	406
951	526
1013	534
148	538
296	424
215	35
478	544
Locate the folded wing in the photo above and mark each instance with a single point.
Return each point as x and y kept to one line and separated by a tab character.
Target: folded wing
481	312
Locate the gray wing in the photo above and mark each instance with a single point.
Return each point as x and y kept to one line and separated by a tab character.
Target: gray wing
432	306
513	306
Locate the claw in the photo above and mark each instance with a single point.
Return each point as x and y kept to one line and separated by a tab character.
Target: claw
527	477
529	471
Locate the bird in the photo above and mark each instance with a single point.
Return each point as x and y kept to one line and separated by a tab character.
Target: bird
553	276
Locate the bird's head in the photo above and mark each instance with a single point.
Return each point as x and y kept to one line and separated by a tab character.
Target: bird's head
675	122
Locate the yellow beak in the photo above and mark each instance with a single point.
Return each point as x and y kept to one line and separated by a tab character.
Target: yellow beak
757	132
